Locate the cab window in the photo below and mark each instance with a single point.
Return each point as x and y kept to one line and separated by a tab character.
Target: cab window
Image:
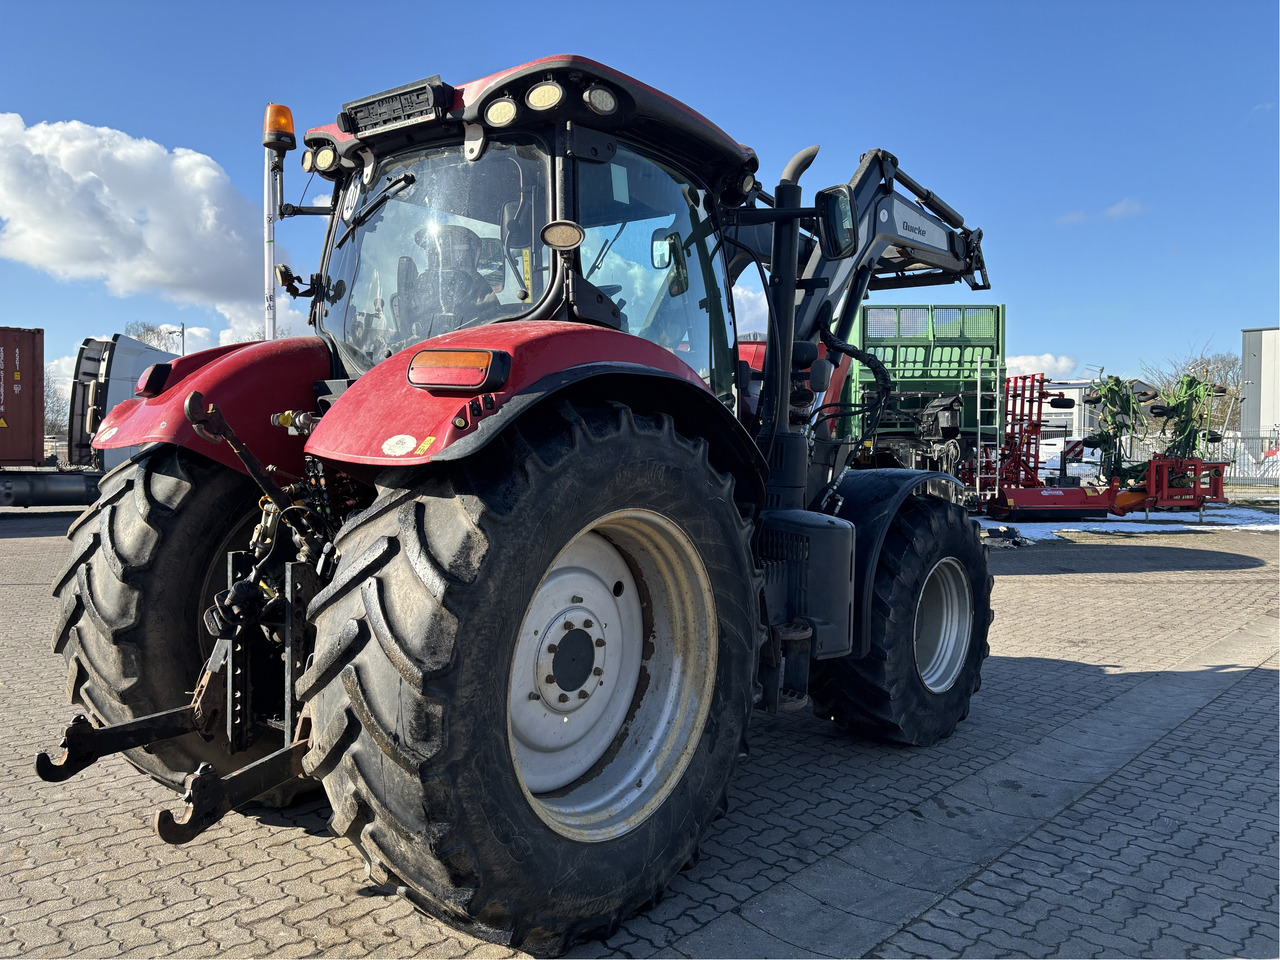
652	246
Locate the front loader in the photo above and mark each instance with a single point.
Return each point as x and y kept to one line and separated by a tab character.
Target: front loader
506	553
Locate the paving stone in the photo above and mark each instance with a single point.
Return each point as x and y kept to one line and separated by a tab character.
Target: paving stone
853	890
733	936
1113	793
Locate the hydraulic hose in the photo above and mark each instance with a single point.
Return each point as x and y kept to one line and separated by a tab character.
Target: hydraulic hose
884	383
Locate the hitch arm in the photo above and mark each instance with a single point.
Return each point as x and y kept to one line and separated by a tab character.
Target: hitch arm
83	743
210	797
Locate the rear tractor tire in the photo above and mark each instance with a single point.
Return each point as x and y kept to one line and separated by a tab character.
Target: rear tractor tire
533	674
929	619
146	561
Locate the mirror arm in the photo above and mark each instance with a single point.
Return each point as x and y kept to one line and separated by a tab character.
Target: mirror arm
752	216
293	210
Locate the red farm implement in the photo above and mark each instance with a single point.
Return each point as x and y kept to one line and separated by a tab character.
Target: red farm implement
1174	479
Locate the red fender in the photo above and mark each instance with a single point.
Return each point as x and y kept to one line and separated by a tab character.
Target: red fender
382	420
248	382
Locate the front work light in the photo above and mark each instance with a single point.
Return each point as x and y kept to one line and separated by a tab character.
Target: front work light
327	158
475	370
500	112
545	95
277	128
600	99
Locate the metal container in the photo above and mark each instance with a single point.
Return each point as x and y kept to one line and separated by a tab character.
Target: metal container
21	397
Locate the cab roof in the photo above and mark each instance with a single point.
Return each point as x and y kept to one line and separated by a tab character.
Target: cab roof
644	113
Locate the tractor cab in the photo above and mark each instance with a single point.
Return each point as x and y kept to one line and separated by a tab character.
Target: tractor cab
440	218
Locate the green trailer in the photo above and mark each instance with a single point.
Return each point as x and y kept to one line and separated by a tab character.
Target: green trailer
948	371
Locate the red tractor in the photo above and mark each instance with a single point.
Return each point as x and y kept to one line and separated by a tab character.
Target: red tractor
506	553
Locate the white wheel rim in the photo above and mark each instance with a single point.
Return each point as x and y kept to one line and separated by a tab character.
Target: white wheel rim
943	625
612	676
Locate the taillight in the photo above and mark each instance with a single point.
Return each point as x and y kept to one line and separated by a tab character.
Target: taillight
477	370
151	383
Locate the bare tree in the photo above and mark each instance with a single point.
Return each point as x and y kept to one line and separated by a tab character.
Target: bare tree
56	405
1220	369
166	336
282	330
153	335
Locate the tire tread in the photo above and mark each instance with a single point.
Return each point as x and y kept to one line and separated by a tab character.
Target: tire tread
400	813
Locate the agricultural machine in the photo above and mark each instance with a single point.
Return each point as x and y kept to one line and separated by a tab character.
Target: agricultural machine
947	369
506	553
1178	477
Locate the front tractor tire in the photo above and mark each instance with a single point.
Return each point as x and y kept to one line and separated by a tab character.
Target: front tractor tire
533	674
146	561
929	620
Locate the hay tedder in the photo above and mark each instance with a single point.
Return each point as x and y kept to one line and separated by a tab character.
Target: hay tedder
1179	477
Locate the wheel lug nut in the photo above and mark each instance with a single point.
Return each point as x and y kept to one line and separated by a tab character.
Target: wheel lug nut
587	624
552	648
564	698
598	672
599	643
568	624
551	678
582	694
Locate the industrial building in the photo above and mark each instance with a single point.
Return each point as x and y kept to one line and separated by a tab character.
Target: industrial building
1259	391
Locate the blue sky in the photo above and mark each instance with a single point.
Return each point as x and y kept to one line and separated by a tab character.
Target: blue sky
1121	158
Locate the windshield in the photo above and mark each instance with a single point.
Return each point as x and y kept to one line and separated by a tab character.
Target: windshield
435	243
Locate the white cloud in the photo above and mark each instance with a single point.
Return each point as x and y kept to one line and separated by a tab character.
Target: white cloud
246	321
92	203
750	307
1128	207
1053	367
59	370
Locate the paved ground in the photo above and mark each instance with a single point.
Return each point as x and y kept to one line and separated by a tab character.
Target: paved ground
1114	793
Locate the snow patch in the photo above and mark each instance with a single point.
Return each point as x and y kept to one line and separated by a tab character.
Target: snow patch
1216	516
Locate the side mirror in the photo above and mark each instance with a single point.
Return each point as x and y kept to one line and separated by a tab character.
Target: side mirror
491	264
837	217
667	250
517	225
660	255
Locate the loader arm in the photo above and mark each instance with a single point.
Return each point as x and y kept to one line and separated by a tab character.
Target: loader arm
903	241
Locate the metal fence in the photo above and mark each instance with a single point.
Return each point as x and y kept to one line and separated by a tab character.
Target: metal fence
1253	459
